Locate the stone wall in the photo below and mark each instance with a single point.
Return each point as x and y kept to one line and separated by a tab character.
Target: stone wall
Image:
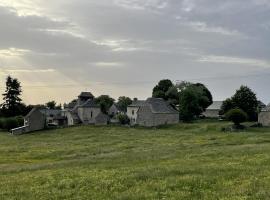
264	118
149	119
88	115
36	121
131	116
211	113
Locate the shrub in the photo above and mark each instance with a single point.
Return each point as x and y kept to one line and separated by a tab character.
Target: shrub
1	124
11	122
123	119
237	116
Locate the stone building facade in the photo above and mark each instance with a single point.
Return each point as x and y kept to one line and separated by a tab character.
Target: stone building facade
152	112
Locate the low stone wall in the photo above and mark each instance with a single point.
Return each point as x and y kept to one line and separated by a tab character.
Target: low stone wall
20	130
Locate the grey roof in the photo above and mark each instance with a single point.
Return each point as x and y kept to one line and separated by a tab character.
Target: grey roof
90	103
159	105
49	112
86	95
32	111
72	104
216	105
137	103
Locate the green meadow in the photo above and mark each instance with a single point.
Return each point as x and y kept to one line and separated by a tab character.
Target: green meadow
185	161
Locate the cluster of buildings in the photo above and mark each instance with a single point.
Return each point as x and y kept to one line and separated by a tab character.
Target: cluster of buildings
84	110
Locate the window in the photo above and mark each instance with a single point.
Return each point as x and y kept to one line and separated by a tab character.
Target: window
91	114
133	112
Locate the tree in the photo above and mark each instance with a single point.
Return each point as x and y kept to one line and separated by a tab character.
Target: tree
123	119
124	102
227	105
244	99
194	99
51	104
105	102
237	116
12	105
160	90
173	96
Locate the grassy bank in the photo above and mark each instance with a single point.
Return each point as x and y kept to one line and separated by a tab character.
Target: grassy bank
186	161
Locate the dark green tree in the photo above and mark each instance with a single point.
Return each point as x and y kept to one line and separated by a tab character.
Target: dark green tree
194	99
160	90
51	104
244	99
237	116
12	105
227	105
124	102
105	102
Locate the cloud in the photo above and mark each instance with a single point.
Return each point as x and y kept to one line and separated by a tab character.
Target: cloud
29	70
116	40
235	60
108	64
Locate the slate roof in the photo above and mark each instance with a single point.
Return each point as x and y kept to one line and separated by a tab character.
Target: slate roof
49	112
216	105
72	104
137	103
32	111
90	103
157	105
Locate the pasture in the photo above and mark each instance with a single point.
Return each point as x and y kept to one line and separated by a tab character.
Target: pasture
185	161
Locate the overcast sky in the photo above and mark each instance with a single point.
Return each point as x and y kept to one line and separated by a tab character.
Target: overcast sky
57	48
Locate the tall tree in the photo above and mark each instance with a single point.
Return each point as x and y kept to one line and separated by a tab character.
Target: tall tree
12	105
194	99
124	102
105	102
160	90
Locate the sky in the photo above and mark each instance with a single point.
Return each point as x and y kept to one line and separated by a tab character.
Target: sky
124	47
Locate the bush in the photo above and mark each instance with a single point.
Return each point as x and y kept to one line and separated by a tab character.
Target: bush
1	124
123	119
237	116
12	122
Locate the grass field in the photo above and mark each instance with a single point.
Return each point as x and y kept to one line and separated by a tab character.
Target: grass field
186	161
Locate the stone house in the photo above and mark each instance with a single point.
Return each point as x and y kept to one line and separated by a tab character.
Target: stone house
83	110
35	120
264	116
152	112
114	109
213	110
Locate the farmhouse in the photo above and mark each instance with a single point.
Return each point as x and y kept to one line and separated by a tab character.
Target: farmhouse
84	110
213	110
114	109
152	112
40	118
264	116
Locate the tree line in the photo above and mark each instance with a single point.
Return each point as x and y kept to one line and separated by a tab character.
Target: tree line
190	99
